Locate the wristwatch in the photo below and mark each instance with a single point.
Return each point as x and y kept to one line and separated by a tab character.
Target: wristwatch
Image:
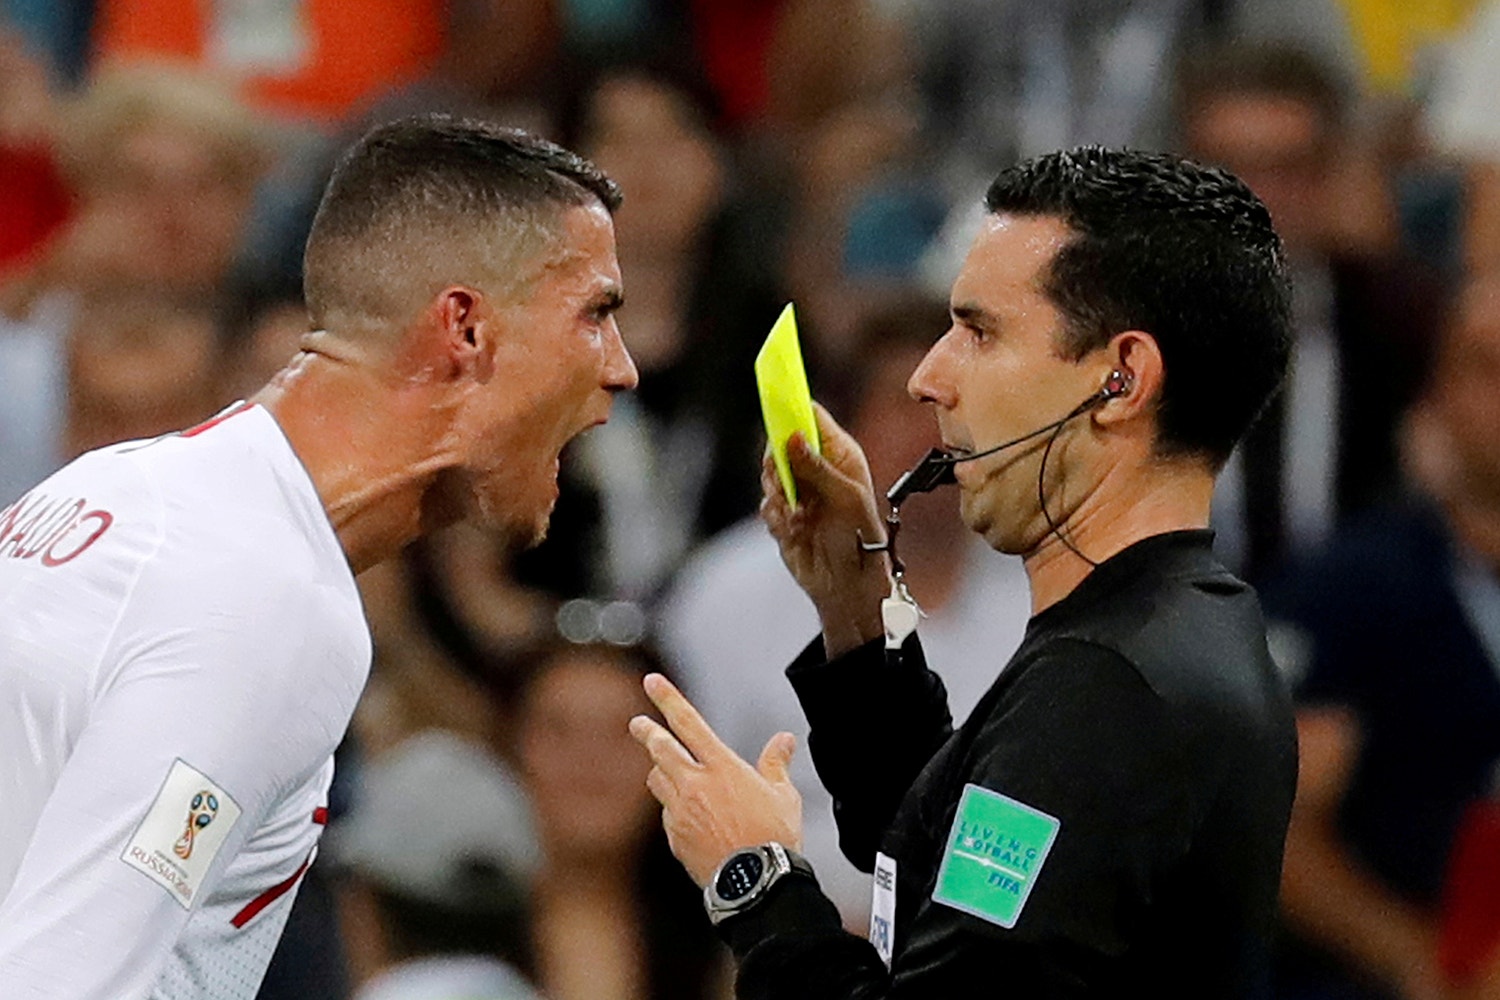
747	875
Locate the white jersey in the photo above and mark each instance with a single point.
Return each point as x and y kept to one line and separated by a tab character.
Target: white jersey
181	649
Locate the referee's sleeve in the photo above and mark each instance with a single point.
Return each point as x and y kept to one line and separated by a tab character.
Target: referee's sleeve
1081	738
875	717
1084	745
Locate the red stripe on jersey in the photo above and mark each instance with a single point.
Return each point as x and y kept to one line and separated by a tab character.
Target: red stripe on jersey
320	815
216	421
268	897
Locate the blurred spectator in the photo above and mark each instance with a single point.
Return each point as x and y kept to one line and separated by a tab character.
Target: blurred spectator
261	327
498	60
466	593
1002	80
34	199
733	38
1320	27
735	618
601	29
1392	637
34	204
1400	45
615	917
57	31
1462	124
300	58
1326	446
165	164
419	681
139	365
780	66
33	399
863	216
1008	80
437	857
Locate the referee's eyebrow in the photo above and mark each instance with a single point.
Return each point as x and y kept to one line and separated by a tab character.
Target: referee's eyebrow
972	314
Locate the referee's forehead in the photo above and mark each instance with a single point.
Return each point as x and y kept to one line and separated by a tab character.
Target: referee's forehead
1006	263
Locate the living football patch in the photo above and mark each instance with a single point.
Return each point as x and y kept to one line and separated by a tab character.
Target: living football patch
994	853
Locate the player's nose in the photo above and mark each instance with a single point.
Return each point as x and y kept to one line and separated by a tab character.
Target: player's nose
619	373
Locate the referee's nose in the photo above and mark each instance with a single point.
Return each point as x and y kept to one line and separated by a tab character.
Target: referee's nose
931	381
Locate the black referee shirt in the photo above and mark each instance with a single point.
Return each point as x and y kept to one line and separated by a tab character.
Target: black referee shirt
1110	818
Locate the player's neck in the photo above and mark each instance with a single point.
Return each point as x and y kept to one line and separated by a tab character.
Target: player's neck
1124	509
368	457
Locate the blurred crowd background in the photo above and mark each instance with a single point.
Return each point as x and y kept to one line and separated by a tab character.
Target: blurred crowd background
160	161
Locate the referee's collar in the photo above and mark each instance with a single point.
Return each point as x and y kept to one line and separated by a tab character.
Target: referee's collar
1152	558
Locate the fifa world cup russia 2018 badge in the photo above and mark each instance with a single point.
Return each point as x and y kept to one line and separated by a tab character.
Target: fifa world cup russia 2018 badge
174	851
204	807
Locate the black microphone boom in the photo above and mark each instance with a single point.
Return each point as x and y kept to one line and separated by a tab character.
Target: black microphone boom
936	467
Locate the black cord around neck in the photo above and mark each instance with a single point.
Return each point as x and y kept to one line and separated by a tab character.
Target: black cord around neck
1041	493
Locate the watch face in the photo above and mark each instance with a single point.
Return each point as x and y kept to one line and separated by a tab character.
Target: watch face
739	876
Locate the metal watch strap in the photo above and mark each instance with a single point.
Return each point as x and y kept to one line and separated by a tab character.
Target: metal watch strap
780	862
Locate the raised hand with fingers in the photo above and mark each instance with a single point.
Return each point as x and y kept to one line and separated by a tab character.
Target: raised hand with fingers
820	538
713	802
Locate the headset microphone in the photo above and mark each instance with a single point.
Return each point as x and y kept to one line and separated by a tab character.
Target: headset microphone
936	468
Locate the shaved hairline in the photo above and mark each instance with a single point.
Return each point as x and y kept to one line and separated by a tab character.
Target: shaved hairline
370	285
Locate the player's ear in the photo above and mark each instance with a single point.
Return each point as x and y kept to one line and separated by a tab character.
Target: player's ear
467	325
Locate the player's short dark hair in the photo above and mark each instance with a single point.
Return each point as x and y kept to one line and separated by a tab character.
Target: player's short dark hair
1183	252
443	170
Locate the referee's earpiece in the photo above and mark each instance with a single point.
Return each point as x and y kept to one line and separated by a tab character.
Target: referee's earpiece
1118	384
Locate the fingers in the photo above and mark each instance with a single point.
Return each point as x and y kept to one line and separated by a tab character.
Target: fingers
773	505
838	445
662	787
666	753
683	718
839	469
777	757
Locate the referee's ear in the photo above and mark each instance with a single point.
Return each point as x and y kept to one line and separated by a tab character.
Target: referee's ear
1136	354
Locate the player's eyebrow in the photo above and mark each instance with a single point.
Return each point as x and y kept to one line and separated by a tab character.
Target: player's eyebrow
608	301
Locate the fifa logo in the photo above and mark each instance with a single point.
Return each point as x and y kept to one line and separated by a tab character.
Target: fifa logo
201	812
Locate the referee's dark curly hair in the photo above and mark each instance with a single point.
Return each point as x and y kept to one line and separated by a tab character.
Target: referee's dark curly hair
1181	251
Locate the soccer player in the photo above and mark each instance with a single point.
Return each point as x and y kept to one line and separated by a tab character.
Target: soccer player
181	640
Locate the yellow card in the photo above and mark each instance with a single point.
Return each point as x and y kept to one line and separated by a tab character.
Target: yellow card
785	401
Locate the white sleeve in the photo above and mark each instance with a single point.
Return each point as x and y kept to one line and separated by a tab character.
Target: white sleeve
196	723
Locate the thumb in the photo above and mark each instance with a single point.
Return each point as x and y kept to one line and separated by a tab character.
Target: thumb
775	758
815	472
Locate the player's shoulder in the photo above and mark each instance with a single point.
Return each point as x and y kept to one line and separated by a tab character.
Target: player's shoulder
221	508
100	506
214	460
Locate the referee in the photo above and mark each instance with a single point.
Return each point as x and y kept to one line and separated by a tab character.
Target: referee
1109	820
